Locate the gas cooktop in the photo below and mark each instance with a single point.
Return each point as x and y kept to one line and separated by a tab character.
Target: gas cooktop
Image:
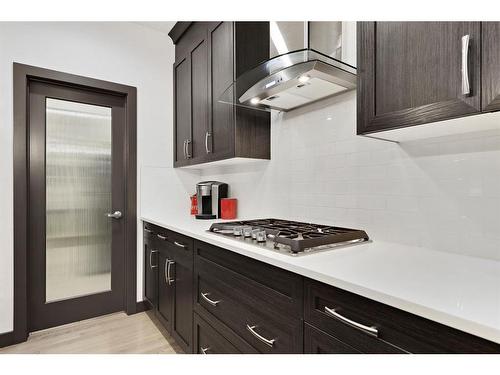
289	237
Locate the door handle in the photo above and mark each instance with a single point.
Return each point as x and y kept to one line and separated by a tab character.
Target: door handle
167	271
465	65
168	265
114	215
188	155
151	265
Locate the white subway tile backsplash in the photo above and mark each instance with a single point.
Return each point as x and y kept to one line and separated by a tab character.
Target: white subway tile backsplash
441	193
401	203
345	201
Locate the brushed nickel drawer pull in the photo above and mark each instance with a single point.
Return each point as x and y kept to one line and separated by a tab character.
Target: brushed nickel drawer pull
151	265
210	301
261	338
161	237
373	331
204	350
148	230
179	244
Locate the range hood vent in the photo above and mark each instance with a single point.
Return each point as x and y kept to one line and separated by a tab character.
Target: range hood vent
293	79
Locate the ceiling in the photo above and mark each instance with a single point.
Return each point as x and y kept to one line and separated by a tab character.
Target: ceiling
163	27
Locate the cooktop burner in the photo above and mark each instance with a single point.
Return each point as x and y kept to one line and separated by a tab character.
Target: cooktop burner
287	236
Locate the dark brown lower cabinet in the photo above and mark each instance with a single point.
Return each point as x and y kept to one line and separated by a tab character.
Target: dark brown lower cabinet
181	280
169	272
165	305
216	301
373	327
319	342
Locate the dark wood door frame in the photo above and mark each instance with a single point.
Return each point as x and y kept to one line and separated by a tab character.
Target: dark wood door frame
23	75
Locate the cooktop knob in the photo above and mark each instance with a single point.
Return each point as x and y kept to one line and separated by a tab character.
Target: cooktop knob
261	236
247	232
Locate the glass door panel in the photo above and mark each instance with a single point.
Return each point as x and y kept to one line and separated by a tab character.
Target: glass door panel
78	195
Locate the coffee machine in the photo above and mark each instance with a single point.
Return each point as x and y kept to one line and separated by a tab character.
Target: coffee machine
209	194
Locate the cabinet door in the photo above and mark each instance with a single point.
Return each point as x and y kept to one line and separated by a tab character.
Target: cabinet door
150	269
182	111
220	138
490	45
165	289
411	73
182	323
199	102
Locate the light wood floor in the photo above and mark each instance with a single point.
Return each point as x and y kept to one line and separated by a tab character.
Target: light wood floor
108	334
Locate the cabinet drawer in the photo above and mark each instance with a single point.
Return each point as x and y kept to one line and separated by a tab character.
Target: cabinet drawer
319	342
149	231
285	285
180	241
267	330
355	323
354	317
168	235
209	341
181	247
247	291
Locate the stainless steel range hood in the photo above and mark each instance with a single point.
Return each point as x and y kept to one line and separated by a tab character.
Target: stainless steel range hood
308	64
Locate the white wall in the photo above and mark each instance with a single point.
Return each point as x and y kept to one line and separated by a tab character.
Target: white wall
125	53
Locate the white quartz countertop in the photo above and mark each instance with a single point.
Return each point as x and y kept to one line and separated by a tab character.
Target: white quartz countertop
459	291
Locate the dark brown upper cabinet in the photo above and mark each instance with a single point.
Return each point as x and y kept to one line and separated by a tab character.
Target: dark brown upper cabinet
490	45
190	96
208	58
411	73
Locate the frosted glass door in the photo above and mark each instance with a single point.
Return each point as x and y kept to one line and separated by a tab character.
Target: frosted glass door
78	195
